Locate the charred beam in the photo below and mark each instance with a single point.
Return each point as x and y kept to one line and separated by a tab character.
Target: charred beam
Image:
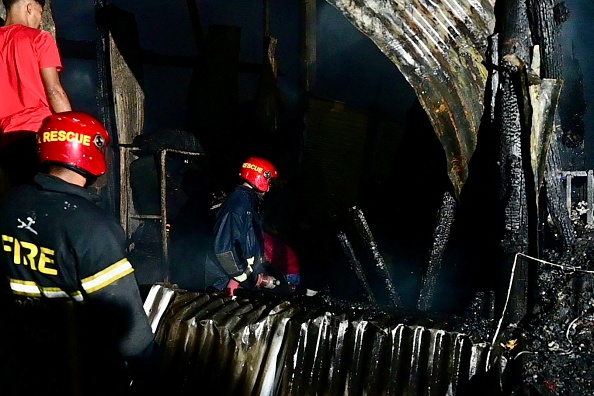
514	115
356	266
546	33
441	234
380	265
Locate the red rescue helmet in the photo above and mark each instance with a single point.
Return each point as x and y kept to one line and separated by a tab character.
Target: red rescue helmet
258	172
74	139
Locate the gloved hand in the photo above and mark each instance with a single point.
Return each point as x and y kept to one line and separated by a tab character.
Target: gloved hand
267	281
249	282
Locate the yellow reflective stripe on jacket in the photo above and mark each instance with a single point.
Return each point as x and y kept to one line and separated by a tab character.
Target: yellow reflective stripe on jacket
32	289
107	276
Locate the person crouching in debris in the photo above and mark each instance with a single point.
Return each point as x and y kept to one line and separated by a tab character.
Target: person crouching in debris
76	323
281	259
238	239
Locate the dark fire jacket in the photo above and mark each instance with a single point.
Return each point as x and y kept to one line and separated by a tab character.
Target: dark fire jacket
238	240
59	246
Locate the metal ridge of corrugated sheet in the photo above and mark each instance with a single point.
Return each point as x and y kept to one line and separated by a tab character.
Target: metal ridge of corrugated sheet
252	346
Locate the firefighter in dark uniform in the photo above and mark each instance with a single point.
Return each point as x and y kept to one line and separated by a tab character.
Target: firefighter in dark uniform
74	321
238	239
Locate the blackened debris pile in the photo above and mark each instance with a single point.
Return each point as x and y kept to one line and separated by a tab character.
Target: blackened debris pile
558	338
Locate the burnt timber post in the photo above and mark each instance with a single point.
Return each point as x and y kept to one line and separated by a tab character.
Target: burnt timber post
527	53
511	123
548	20
547	29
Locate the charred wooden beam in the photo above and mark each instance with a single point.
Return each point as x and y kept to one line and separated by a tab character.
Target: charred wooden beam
441	234
546	28
380	265
356	266
514	117
547	31
555	198
545	94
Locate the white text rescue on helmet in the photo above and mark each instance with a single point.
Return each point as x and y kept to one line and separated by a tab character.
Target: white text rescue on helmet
63	136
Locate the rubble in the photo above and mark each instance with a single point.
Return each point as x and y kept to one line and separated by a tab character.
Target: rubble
554	344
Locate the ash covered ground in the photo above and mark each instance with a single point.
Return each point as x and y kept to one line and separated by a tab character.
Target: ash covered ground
558	337
551	351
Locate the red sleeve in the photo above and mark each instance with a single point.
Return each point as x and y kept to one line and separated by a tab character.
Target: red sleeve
292	261
47	51
280	255
268	248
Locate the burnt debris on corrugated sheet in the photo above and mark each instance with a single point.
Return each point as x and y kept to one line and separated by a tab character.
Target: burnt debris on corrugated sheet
258	343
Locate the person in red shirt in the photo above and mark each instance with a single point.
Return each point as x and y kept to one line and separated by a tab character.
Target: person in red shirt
30	86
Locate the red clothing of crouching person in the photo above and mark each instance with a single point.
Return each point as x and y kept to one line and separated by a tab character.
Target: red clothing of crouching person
282	258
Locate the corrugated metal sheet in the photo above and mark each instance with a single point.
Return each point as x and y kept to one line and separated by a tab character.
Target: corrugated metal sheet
264	345
439	47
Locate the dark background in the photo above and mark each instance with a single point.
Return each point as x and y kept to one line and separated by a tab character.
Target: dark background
349	66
